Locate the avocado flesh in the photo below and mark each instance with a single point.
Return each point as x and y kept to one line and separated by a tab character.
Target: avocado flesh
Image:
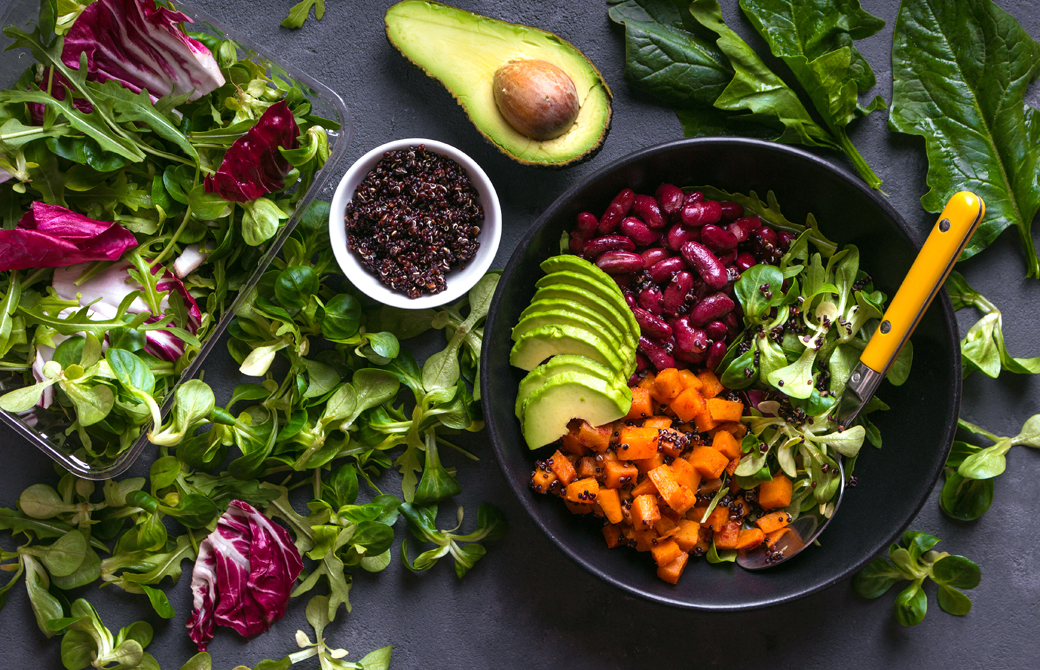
566	396
574	264
557	365
463	50
577	295
537	319
538	344
604	320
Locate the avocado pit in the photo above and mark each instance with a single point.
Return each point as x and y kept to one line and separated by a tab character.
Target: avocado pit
537	98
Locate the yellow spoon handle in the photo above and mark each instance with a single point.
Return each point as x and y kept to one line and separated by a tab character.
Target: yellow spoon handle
958	221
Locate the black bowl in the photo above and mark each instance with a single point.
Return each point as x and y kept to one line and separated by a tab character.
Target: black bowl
917	432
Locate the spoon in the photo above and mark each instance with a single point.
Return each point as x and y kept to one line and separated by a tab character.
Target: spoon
957	223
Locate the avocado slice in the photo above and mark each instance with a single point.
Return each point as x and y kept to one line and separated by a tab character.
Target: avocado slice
566	396
464	51
611	295
604	320
540	343
579	296
565	318
561	364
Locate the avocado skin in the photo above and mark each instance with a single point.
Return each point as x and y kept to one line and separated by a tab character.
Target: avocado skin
601	87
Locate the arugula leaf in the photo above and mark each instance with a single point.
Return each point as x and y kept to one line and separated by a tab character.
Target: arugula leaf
960	75
301	10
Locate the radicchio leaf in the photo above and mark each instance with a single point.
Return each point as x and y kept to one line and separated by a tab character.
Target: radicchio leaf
49	236
243	576
253	165
143	47
108	288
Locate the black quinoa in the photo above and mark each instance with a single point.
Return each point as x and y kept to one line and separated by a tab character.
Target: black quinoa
414	218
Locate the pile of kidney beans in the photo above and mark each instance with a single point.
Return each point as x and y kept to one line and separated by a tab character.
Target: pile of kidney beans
676	257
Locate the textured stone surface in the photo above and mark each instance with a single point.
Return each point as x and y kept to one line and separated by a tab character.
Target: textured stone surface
525	605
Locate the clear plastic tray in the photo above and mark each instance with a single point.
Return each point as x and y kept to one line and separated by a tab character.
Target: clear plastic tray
48	436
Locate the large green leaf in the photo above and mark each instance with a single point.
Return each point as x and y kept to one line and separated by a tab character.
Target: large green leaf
960	74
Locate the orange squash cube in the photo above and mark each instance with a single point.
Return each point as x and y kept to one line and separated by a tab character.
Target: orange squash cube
541	480
637	443
577	508
597	439
644	539
647	381
728	537
673	571
687	534
710	384
704	422
688	405
732	467
616	474
642	404
708	461
671	442
587	467
726	444
724	410
612	534
645	487
773	521
667	385
735	428
750	538
662	478
665	526
718	518
689	380
562	468
775	493
665	551
572	445
645	512
582	491
647	464
658	422
610	503
685	474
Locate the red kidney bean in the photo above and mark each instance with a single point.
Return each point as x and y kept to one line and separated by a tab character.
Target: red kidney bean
785	239
645	207
742	228
617	210
587	223
716	330
624	280
651	256
650	299
657	354
715	355
706	264
670	197
577	242
676	292
619	262
598	246
639	232
732	323
712	308
765	236
662	271
650	325
731	211
642	362
679	235
689	357
745	261
693	196
636	377
689	339
629	297
701	213
728	259
718	239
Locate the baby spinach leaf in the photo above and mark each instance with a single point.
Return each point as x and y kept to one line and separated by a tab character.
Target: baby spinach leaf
960	73
160	603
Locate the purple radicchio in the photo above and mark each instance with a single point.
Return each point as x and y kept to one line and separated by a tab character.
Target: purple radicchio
49	236
253	165
142	46
243	575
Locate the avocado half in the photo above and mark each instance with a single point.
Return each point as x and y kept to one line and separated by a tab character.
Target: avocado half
463	51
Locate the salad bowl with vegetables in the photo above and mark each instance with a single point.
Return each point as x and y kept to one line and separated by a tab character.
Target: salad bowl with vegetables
737	385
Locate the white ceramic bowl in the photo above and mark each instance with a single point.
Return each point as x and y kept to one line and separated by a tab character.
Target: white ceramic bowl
459	281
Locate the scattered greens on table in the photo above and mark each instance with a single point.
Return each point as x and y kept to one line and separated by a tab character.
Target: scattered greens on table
914	560
797	350
960	72
301	11
687	56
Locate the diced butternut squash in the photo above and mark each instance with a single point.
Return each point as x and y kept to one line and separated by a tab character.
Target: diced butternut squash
667	385
610	503
776	535
775	493
637	443
612	534
685	474
577	508
682	500
750	538
572	445
642	404
647	381
562	468
724	410
710	384
732	467
647	464
644	539
704	422
728	537
645	512
665	552
687	534
662	478
582	491
718	518
658	422
597	439
645	487
773	521
672	442
709	462
665	526
688	405
726	444
709	486
673	571
734	428
689	380
617	474
586	467
541	480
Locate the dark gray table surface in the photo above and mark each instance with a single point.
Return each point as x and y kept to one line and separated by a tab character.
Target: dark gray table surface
526	605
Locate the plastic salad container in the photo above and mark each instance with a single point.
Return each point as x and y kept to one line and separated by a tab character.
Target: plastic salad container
46	429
